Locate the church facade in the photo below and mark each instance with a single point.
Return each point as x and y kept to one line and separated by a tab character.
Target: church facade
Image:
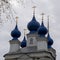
37	46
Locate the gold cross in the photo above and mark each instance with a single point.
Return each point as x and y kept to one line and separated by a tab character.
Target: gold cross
34	10
48	23
42	16
16	19
24	31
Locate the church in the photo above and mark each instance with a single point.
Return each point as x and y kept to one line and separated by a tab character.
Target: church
37	45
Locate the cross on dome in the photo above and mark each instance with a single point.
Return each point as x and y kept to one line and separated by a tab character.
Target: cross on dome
48	23
42	16
16	20
24	31
34	10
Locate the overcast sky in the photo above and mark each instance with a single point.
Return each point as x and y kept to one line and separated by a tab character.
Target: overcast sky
24	12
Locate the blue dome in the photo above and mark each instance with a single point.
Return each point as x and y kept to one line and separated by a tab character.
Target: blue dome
33	25
42	30
15	33
23	43
50	41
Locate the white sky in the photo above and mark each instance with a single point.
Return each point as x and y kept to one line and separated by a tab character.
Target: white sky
24	12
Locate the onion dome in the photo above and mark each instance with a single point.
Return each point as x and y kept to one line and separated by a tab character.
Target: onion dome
15	33
50	41
42	31
23	43
33	25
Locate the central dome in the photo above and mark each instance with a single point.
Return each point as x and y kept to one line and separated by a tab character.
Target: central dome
33	25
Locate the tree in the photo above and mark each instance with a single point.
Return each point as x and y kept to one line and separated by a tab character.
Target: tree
6	10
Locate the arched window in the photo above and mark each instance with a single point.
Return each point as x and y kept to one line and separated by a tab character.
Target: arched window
31	40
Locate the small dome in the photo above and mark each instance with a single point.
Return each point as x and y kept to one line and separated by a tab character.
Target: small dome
33	25
23	43
15	33
50	41
42	30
